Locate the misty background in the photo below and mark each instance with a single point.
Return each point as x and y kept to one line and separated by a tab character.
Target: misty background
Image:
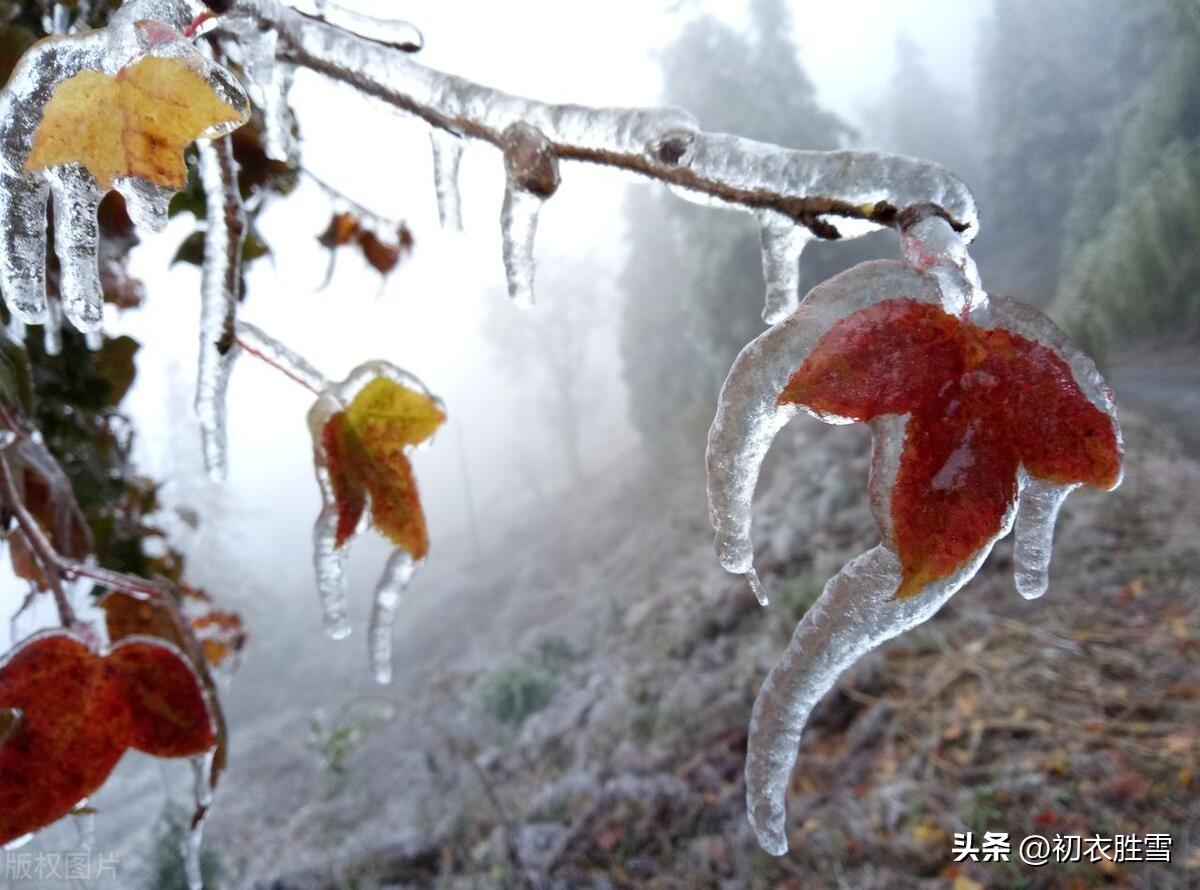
569	476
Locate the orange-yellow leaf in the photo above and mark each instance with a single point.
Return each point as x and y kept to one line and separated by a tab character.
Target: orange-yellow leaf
366	452
134	124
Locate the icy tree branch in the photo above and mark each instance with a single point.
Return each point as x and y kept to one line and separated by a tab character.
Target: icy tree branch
825	194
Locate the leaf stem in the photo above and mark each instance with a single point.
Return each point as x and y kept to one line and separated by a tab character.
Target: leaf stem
262	356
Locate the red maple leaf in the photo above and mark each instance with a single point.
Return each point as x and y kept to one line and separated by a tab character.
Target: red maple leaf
77	712
981	402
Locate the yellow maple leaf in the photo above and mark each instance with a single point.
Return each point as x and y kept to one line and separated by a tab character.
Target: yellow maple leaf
134	124
366	454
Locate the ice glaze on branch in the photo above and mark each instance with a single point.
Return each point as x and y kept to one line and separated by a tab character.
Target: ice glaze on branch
827	194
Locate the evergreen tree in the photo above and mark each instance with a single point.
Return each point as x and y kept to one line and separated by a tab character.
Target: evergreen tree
693	281
917	116
1052	75
1131	254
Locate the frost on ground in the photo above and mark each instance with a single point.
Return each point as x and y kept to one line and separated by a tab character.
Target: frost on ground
996	713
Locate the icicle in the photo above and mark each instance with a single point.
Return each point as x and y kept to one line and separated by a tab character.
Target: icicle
855	613
94	340
757	588
52	328
136	28
279	135
783	241
76	243
146	203
202	779
16	328
748	412
1033	538
388	31
447	155
192	842
23	245
219	288
532	176
85	825
202	786
518	226
396	575
329	561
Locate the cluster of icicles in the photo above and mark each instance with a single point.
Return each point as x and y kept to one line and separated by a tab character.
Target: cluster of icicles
795	196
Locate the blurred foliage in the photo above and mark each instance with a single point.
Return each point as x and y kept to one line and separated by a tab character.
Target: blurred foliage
1131	263
693	275
1051	76
509	694
335	739
164	868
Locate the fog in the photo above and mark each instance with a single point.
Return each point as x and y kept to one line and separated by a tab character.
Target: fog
551	479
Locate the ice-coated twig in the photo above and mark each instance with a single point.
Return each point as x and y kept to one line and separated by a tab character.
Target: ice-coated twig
220	287
137	29
383	226
447	156
831	194
394	33
262	346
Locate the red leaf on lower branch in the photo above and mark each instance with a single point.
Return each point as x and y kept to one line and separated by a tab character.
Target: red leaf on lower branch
80	711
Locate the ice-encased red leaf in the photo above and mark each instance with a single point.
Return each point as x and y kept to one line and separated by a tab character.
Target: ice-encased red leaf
981	402
80	711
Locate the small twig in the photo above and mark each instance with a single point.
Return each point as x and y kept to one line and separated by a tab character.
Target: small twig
359	210
278	367
40	546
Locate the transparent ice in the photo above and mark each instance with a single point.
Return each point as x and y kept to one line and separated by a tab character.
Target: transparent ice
857	611
139	28
329	559
518	227
447	156
388	31
220	284
783	241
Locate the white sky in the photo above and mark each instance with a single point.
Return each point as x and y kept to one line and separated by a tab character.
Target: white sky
428	316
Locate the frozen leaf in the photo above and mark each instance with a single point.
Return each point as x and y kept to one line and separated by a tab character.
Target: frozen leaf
366	450
383	255
134	124
80	711
982	415
130	617
981	403
363	429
